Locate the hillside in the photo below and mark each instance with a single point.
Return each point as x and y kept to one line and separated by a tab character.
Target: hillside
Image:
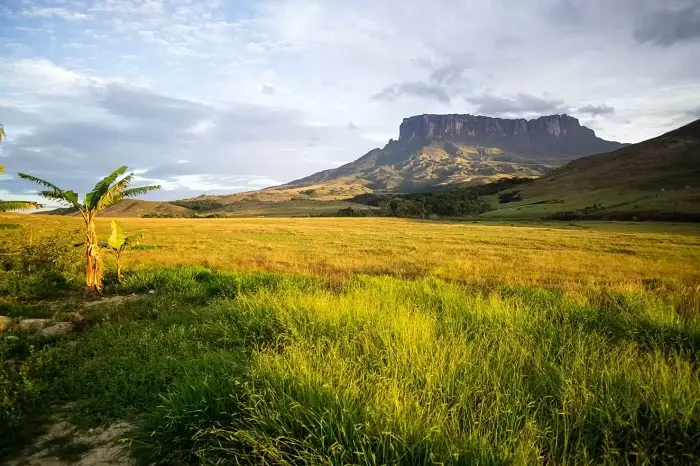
130	208
438	150
650	179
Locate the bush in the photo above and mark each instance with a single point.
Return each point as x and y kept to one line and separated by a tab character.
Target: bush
509	196
41	268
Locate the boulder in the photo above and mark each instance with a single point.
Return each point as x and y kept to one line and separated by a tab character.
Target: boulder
34	325
60	328
4	323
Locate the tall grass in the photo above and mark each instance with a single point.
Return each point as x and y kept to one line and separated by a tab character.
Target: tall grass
263	368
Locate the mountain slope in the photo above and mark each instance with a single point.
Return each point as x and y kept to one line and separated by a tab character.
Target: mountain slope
139	208
129	208
654	176
435	150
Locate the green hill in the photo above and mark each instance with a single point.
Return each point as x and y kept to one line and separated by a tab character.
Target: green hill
658	179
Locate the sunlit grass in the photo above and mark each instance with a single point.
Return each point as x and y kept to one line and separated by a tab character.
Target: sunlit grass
550	255
273	369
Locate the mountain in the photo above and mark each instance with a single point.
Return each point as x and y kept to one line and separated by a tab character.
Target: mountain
438	150
655	179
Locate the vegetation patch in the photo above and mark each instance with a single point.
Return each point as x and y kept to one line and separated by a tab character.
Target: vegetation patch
450	202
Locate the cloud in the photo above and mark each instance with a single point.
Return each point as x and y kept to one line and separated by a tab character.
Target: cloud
42	75
443	83
18	116
415	89
452	73
268	90
666	27
520	104
60	13
566	12
143	104
596	110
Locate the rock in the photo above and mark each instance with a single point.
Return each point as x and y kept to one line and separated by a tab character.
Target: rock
110	300
61	328
555	133
4	323
33	325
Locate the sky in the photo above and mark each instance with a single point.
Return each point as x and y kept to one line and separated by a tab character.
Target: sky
219	96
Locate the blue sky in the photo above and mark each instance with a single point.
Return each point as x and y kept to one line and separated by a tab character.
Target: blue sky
216	96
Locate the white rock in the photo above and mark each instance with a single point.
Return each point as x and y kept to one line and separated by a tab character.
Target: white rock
61	328
34	325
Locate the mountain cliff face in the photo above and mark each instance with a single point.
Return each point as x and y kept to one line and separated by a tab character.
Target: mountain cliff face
552	135
437	150
426	126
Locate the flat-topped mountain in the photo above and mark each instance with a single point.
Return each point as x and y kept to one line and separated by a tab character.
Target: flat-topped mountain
552	135
434	150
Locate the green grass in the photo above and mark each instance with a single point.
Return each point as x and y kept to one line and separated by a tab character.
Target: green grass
270	368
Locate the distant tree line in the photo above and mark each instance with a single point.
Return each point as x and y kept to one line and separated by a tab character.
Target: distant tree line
198	205
455	202
184	215
624	216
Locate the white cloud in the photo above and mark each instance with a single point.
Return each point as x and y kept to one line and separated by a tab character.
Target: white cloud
196	183
41	75
61	13
263	181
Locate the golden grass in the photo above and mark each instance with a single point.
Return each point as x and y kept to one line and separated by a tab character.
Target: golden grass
588	254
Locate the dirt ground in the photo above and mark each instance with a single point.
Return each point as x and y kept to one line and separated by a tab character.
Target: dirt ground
64	444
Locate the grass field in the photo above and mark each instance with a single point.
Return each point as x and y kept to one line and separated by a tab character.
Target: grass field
365	341
554	254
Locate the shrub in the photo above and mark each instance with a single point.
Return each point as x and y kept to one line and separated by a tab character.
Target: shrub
41	268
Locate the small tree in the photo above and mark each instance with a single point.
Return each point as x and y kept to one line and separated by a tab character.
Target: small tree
118	243
7	206
106	193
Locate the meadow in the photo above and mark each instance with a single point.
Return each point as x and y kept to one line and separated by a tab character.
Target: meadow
361	341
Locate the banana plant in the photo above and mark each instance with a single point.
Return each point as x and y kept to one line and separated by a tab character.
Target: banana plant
118	243
106	193
8	206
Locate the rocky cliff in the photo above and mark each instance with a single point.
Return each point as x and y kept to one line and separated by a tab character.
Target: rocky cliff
551	135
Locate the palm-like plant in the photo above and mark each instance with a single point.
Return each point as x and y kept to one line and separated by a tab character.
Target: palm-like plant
118	242
7	206
106	193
